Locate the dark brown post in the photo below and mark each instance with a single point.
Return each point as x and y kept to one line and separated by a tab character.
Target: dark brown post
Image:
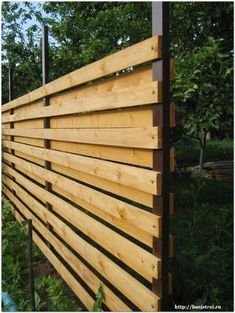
30	252
46	102
10	86
161	161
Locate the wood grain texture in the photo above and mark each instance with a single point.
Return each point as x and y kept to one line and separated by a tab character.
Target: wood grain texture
137	178
92	100
148	138
117	189
121	210
111	300
134	156
137	258
130	229
138	117
144	298
30	141
139	53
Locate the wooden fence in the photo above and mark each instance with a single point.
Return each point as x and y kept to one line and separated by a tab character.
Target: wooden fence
80	157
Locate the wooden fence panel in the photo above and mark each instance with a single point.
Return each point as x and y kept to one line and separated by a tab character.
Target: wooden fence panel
100	164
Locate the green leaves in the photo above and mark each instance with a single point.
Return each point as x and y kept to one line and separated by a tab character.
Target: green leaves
203	235
97	307
51	296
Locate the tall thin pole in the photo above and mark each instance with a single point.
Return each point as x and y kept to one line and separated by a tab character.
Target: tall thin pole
30	252
161	72
46	102
10	83
45	54
11	97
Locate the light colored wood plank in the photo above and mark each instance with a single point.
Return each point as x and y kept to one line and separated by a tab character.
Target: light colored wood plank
122	82
28	107
121	190
148	138
91	100
37	123
4	137
29	157
139	53
126	213
145	180
141	117
111	300
144	298
6	125
134	156
128	228
31	176
30	141
135	257
79	291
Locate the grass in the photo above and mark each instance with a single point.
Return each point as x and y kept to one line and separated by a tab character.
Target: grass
202	226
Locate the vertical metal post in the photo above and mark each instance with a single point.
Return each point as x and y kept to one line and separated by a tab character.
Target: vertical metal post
45	63
46	102
10	83
161	117
30	252
10	96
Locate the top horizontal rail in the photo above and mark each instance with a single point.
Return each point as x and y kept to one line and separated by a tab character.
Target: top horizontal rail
144	51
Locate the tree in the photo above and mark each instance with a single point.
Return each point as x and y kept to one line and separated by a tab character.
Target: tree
82	32
202	91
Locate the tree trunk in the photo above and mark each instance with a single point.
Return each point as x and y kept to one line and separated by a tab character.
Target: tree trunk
202	152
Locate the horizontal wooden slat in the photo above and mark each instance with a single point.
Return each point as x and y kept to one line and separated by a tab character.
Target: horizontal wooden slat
83	295
6	137
144	298
79	291
117	189
149	138
141	117
134	156
111	300
137	258
142	179
30	141
136	117
31	175
146	94
139	53
121	190
128	228
120	211
6	125
28	107
29	157
37	123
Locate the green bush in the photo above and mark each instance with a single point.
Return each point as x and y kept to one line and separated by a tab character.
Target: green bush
203	239
51	293
188	151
